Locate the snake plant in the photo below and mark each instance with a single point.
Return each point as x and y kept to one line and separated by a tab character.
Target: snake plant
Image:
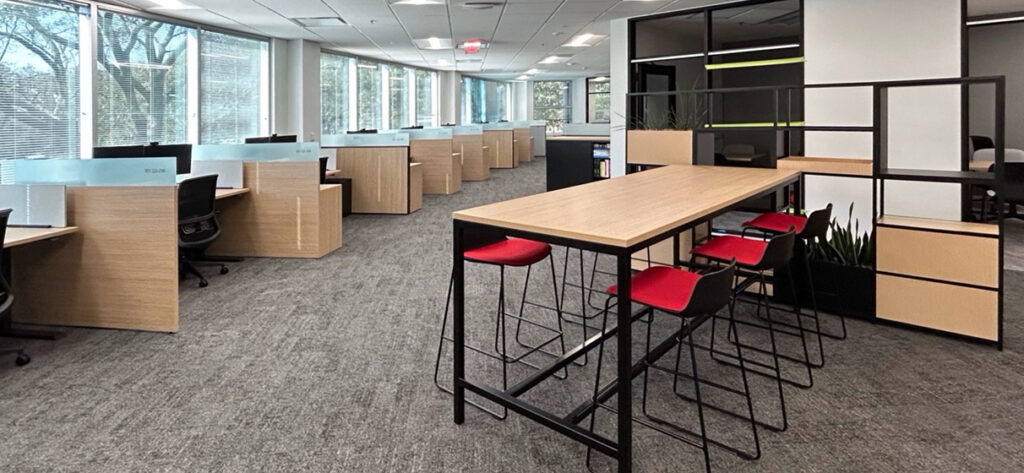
846	245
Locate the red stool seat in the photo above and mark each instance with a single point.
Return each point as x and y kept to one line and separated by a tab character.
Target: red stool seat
724	248
510	252
662	287
777	222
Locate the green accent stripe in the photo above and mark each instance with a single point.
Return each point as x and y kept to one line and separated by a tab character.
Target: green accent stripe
766	62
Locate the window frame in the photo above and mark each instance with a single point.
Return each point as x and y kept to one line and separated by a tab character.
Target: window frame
608	81
566	106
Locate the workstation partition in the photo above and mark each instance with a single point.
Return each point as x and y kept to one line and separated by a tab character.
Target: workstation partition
287	212
500	145
385	180
120	269
442	166
468	144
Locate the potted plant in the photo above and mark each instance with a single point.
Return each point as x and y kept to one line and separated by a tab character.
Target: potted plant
844	272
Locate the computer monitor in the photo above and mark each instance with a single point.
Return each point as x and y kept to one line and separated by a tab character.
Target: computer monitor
362	131
416	127
181	152
275	138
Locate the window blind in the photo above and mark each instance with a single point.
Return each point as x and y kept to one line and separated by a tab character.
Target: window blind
334	106
231	75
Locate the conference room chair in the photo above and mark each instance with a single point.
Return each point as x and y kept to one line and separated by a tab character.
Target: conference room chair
809	230
198	227
694	299
981	142
6	297
1013	192
504	252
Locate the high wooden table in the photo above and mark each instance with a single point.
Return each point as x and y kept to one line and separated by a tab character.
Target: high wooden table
618	217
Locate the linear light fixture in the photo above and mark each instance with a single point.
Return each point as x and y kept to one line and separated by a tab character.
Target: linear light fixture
668	58
417	2
753	50
523	77
581	41
433	43
993	21
554	59
766	62
320	21
172	5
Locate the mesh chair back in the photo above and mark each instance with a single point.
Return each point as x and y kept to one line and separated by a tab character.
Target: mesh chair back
778	252
711	292
197	219
817	223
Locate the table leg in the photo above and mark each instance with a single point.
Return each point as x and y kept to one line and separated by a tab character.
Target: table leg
625	363
458	328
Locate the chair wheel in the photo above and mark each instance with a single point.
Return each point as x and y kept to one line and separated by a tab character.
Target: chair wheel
223	270
22	360
203	283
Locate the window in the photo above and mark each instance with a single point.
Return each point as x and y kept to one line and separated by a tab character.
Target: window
599	100
39	79
426	98
369	96
142	80
552	102
233	78
400	88
334	87
485	101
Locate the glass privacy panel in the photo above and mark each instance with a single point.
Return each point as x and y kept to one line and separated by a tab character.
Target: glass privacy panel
368	140
427	133
307	151
467	130
498	126
97	172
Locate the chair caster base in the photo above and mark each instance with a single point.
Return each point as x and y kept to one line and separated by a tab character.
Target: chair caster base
223	270
22	360
203	283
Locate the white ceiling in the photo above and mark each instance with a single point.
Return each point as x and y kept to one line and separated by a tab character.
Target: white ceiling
521	32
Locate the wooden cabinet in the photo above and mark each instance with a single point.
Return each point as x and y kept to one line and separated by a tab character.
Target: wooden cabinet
442	169
470	149
939	275
380	178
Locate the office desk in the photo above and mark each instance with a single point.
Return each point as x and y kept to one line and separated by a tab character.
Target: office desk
18	236
226	193
616	216
383	178
471	154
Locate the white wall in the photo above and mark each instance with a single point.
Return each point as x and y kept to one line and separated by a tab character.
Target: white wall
579	100
873	40
995	50
450	97
619	40
302	91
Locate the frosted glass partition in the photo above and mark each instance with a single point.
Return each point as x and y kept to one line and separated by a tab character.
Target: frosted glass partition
467	129
306	151
97	172
371	140
529	123
498	126
429	134
599	129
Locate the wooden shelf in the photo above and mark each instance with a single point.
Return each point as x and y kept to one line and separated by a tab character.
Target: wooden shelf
836	166
974	228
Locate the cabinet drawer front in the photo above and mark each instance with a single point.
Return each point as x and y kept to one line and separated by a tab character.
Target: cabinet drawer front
956	309
944	256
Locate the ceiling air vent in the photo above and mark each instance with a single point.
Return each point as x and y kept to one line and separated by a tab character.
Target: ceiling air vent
481	4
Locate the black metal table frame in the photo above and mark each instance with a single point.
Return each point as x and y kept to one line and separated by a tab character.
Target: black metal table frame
619	449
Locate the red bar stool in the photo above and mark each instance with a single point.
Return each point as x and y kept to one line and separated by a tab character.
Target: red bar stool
513	252
756	257
808	229
693	298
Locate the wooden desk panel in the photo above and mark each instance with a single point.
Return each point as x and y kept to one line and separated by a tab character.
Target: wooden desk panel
119	271
281	216
442	171
835	166
522	147
226	193
380	178
471	151
17	236
626	210
499	144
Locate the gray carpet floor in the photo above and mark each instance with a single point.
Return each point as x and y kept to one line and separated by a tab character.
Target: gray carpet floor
326	365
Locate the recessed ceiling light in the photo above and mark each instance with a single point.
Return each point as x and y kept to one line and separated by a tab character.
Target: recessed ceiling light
583	40
532	71
482	5
434	43
523	77
320	21
553	59
172	5
443	62
417	2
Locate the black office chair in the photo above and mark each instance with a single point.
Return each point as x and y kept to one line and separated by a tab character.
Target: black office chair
198	227
982	142
6	298
1013	191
